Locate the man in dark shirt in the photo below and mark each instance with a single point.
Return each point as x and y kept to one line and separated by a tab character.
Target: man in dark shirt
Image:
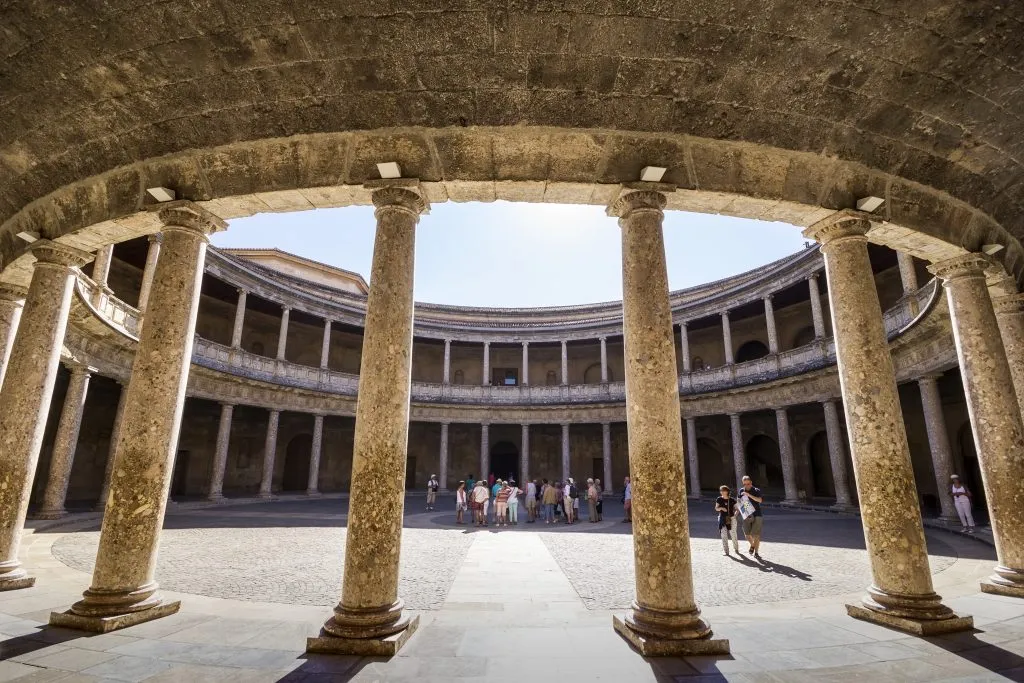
752	523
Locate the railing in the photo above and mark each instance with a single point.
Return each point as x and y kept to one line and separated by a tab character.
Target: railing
813	356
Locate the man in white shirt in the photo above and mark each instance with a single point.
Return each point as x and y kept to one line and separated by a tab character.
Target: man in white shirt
432	487
569	501
481	496
531	502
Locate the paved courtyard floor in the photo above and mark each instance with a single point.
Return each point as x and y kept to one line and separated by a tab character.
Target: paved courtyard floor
509	604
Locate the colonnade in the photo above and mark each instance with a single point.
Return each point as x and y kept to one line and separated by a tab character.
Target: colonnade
370	618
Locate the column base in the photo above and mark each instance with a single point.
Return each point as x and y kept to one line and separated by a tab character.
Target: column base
17	582
791	502
266	495
51	513
384	646
313	494
215	498
844	507
1006	581
652	646
918	627
112	623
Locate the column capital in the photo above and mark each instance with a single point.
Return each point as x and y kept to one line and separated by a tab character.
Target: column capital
242	291
606	423
227	404
78	368
9	292
813	276
286	309
1014	303
48	251
445	423
963	266
603	338
633	197
526	343
768	296
187	215
403	194
840	225
931	378
725	315
156	237
781	410
487	343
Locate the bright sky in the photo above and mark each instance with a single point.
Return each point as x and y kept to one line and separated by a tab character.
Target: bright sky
516	255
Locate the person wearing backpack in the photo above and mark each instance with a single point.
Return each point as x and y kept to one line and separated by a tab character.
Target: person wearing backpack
569	497
432	487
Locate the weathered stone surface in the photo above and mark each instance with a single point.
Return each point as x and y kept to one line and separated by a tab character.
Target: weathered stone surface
65	444
12	301
938	442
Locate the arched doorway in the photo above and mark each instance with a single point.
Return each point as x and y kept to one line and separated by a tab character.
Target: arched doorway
179	475
804	337
592	375
296	463
752	350
972	474
505	460
764	464
823	484
712	468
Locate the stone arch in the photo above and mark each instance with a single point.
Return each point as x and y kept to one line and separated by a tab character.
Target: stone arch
257	348
803	337
296	463
751	350
505	460
460	377
551	379
823	484
592	375
764	464
698	363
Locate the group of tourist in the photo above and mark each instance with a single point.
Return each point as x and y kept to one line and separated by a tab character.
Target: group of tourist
556	501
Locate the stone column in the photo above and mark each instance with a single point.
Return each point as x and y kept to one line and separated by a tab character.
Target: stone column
282	336
566	460
739	459
446	376
369	619
994	411
108	471
938	442
1010	316
313	483
727	338
65	443
604	360
269	455
487	364
124	590
691	454
524	456
565	363
12	301
908	277
485	450
786	457
28	390
684	337
837	457
325	346
443	456
901	592
769	318
236	332
664	618
101	273
148	271
816	316
526	363
606	456
220	454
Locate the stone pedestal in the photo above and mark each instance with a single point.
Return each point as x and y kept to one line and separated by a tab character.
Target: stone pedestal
664	618
124	589
901	593
12	301
27	392
369	619
65	443
994	411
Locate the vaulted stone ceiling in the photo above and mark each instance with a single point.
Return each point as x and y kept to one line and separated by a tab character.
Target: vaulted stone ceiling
928	91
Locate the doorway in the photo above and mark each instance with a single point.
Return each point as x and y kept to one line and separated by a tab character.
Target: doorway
296	463
821	467
179	479
505	460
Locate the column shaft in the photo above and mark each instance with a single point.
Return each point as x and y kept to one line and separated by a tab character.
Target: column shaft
108	471
27	392
691	454
739	460
101	272
220	455
282	337
485	450
236	332
816	315
901	592
443	456
487	364
837	456
993	409
684	337
524	456
65	443
606	456
123	586
908	274
769	318
148	271
1010	316
938	442
12	302
526	364
664	619
313	483
325	346
565	452
604	360
446	376
786	456
370	610
565	363
269	455
727	338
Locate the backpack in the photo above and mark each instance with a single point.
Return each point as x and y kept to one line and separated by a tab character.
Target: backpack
573	493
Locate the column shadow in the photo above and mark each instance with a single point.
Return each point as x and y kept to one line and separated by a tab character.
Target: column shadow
44	637
967	646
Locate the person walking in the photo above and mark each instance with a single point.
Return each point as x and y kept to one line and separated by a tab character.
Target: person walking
627	500
432	487
460	502
495	488
600	500
569	495
531	502
753	519
513	502
550	499
962	503
592	501
480	499
725	506
500	503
